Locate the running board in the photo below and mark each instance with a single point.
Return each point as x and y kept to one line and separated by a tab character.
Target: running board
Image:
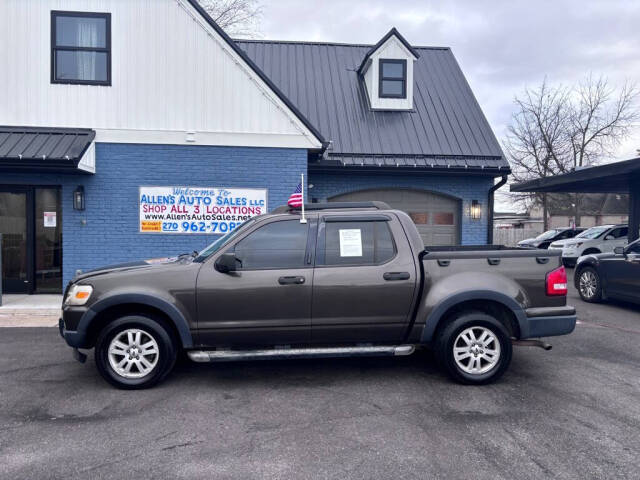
282	353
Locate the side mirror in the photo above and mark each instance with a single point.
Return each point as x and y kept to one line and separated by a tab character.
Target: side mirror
609	237
618	250
226	263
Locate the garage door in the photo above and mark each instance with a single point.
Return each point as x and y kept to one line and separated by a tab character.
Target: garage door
436	216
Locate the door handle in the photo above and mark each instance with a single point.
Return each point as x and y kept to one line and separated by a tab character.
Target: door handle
444	263
396	276
493	261
291	280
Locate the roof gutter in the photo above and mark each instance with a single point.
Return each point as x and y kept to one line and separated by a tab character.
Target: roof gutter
492	192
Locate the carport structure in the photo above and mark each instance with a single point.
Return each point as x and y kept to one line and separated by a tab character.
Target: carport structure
619	177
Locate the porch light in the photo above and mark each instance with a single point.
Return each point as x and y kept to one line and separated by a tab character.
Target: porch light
78	198
476	210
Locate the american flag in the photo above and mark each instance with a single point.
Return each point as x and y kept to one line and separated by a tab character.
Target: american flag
295	199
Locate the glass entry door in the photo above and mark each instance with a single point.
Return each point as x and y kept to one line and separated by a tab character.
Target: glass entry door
15	245
48	241
31	228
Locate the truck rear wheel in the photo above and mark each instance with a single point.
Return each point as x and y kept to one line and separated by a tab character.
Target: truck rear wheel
474	348
134	352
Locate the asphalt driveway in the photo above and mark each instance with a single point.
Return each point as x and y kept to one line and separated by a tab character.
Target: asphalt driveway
573	412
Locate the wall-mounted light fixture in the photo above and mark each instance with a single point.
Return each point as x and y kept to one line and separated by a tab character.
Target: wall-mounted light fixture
476	210
78	198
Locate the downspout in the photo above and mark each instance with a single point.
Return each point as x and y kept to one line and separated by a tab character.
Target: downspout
490	212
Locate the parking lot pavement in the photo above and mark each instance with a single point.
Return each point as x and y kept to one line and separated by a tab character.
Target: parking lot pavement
572	412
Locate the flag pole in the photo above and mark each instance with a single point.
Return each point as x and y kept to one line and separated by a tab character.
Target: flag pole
302	219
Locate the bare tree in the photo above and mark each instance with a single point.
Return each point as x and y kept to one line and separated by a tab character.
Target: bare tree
558	129
239	18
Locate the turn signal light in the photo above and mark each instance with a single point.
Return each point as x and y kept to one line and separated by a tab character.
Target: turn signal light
557	282
78	295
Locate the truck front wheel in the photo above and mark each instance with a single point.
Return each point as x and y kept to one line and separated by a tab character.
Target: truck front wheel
474	348
134	352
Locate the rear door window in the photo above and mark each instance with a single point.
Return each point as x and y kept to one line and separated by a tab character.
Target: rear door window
355	243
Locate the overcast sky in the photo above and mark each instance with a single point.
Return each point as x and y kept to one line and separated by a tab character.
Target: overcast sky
502	45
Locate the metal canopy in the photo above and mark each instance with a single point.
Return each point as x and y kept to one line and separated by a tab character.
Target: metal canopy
36	148
619	177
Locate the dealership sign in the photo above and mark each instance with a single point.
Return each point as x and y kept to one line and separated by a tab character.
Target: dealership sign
198	209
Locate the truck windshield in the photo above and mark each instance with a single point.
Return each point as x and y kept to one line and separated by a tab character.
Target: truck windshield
215	246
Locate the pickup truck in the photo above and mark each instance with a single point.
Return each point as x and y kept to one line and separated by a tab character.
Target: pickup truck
348	279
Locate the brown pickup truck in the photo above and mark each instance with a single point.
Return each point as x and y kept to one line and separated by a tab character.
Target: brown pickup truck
353	279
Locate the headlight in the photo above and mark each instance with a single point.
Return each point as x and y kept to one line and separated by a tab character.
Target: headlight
78	295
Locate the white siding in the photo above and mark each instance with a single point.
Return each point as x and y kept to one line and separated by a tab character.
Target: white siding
171	74
391	49
88	160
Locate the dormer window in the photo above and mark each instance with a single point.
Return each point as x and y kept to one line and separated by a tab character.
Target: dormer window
387	73
393	78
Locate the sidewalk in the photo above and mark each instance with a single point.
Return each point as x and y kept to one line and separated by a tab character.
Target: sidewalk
30	310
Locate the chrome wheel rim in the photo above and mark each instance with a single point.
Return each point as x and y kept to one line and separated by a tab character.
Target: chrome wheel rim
588	284
133	353
476	350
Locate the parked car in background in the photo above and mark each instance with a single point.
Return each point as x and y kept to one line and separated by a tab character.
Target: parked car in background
354	279
595	240
610	275
545	239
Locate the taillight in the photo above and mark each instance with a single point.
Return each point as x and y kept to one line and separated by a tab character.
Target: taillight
557	282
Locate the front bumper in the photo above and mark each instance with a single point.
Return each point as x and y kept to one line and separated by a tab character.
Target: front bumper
550	322
68	326
569	261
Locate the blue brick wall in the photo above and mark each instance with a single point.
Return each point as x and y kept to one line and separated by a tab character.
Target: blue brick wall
108	230
464	187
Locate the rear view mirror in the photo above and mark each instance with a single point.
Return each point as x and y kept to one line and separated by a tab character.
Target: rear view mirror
226	263
609	237
618	250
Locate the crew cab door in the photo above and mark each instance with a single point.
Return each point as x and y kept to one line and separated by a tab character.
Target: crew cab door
364	279
267	300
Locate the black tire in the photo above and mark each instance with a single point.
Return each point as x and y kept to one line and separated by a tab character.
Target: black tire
589	285
448	338
153	328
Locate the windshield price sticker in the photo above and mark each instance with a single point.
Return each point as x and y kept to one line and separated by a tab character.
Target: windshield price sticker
198	209
351	242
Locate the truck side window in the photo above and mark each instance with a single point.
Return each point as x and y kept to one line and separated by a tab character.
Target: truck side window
275	245
357	243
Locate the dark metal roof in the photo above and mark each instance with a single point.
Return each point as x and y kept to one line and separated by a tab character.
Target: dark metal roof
610	178
37	147
392	32
203	13
322	80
